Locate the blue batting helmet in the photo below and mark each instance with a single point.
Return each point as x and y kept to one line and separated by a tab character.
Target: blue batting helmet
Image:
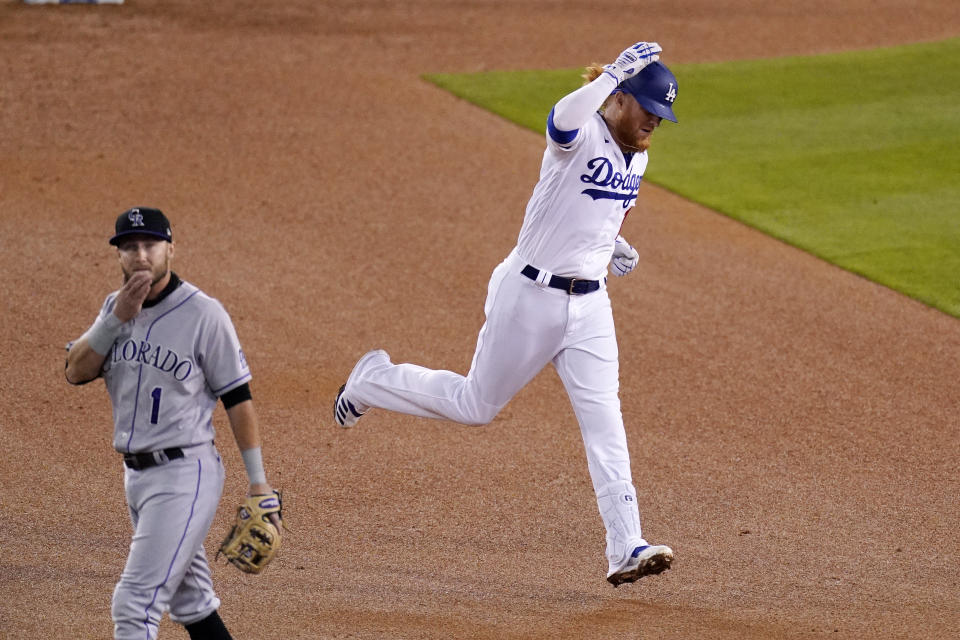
655	88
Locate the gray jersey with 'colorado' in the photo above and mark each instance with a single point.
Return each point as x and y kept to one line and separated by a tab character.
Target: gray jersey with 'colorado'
167	368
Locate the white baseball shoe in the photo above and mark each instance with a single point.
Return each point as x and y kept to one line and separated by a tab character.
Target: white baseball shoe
344	411
646	560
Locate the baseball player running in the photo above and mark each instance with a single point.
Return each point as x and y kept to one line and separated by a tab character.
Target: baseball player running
547	301
167	352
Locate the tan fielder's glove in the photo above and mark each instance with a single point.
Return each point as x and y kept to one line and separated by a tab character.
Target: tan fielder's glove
254	539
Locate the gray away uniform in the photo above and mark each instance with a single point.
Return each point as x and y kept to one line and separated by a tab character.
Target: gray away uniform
164	374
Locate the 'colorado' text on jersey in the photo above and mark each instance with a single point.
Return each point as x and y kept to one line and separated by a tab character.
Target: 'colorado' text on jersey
167	368
577	207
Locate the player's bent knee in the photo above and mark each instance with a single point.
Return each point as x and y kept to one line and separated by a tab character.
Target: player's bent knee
482	416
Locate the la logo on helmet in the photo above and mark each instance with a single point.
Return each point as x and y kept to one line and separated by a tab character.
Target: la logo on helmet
672	93
135	218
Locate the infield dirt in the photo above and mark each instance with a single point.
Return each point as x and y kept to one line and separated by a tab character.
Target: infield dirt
793	427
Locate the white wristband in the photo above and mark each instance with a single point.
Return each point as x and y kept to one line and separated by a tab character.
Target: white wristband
102	334
253	461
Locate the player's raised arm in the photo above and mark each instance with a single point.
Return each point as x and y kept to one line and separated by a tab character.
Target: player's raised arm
85	356
573	110
84	361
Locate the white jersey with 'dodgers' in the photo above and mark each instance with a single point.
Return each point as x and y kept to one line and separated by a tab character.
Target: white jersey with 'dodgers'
577	207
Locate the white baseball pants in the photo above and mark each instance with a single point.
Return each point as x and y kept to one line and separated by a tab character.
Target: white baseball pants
527	326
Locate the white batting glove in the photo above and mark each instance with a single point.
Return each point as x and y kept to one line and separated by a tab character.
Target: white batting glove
633	60
625	258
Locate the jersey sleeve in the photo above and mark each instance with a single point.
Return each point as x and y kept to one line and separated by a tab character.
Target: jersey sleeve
574	110
219	353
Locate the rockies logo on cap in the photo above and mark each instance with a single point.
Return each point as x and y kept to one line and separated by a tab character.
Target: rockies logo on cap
135	217
142	220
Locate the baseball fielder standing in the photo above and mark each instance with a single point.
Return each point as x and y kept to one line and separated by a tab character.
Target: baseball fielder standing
167	352
547	301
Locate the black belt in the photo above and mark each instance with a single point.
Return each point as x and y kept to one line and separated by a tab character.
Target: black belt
141	461
570	285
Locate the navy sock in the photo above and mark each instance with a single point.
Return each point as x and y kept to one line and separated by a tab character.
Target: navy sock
210	628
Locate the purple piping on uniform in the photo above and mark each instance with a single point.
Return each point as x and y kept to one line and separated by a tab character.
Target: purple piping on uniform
216	392
146	338
196	494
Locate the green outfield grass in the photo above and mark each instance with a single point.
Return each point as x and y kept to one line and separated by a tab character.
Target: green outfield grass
853	157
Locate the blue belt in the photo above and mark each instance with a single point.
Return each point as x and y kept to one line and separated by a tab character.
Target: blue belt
573	286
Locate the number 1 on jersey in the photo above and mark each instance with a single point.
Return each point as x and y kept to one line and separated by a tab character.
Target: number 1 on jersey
155	412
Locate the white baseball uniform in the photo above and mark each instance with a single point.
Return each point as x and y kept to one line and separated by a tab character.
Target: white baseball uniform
586	187
164	374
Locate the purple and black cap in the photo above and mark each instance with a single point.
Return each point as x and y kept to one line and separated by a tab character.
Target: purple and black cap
655	88
142	220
